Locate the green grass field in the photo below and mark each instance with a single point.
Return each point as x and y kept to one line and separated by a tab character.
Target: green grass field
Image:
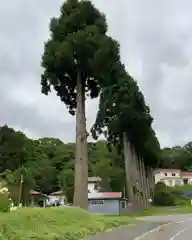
62	223
67	223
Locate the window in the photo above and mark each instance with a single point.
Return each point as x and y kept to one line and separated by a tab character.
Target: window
95	202
185	180
123	205
173	174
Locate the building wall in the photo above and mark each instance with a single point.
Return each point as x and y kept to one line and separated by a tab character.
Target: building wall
53	199
162	175
172	178
125	206
91	187
190	180
173	182
108	207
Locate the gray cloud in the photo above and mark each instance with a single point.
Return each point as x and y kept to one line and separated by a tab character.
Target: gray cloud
155	40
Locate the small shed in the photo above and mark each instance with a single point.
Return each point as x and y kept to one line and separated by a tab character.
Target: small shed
57	198
109	203
38	198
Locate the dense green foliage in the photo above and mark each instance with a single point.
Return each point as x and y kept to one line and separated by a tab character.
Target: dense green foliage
48	164
162	195
78	61
168	196
5	202
78	45
177	157
122	109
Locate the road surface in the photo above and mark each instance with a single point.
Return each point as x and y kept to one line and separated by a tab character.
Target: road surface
179	227
170	227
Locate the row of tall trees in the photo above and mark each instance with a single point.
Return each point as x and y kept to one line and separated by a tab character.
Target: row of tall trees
126	122
80	60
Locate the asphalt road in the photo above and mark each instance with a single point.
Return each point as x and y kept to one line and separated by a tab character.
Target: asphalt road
178	228
170	227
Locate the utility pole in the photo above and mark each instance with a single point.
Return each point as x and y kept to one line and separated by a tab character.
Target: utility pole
124	195
20	188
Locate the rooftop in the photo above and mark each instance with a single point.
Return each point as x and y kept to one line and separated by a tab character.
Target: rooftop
186	174
105	195
60	192
168	170
94	179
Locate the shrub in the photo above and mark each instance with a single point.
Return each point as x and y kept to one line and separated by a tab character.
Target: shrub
163	198
168	196
160	186
5	202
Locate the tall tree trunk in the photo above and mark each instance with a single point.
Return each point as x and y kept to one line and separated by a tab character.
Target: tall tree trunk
148	185
142	182
145	193
135	177
128	162
81	160
151	182
139	181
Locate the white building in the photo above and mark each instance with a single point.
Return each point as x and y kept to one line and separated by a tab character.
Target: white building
93	184
173	177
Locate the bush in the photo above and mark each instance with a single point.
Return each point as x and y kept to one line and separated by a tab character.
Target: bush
163	198
160	186
5	202
168	196
182	200
163	195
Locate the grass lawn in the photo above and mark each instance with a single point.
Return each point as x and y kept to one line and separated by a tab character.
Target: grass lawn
61	223
67	223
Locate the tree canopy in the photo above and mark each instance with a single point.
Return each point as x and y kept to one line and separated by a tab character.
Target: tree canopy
179	157
122	109
78	43
77	61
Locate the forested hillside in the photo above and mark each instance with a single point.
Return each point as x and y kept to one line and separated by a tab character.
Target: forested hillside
177	157
48	163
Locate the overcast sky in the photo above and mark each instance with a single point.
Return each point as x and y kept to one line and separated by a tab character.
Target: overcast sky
156	47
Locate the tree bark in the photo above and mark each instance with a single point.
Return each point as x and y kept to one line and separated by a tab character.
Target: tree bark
81	161
148	185
151	180
142	183
135	177
140	198
145	193
128	162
